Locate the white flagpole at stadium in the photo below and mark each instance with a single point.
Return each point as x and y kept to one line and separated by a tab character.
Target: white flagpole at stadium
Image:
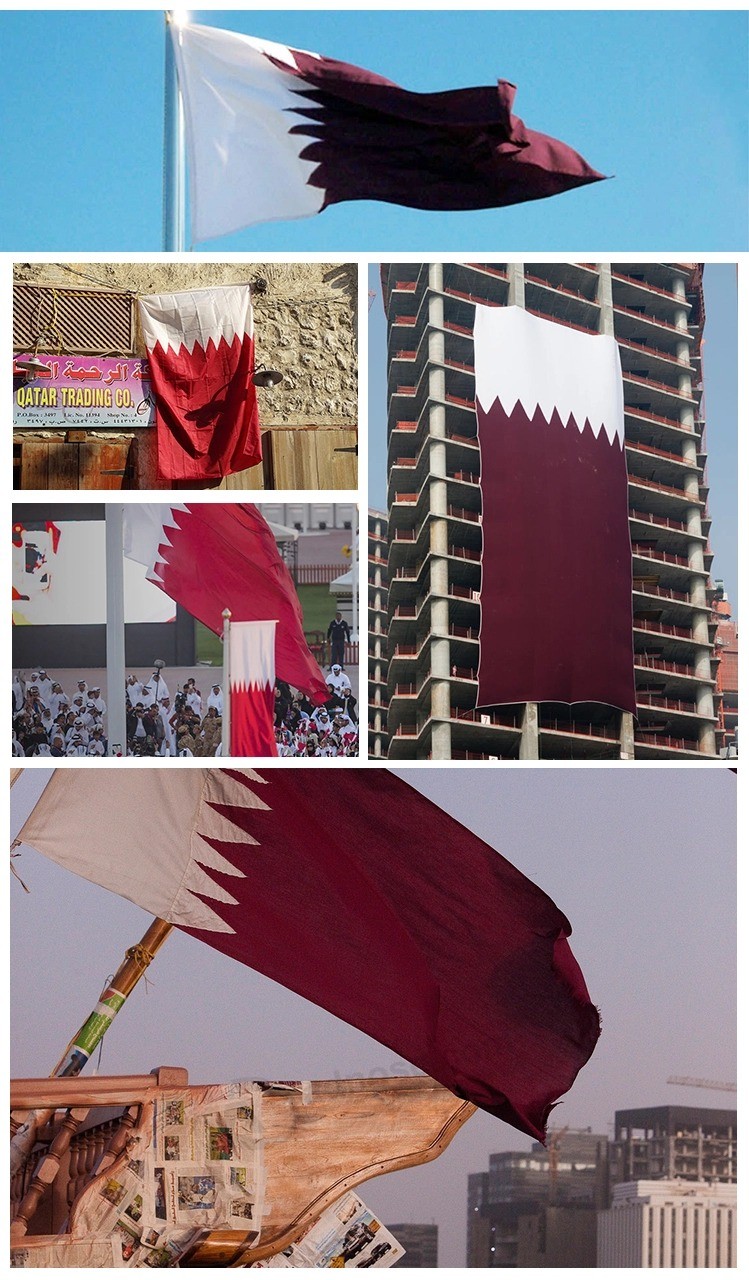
226	713
174	140
117	735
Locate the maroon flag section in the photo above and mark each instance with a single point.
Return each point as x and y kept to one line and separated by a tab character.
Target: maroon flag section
358	893
252	680
276	132
556	586
369	900
215	556
201	349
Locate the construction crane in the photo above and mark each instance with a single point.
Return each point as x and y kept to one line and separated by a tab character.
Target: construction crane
553	1144
697	1082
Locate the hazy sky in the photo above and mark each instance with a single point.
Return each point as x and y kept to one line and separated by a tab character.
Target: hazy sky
657	99
720	367
640	859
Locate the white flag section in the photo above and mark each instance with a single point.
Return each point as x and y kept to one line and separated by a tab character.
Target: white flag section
524	359
196	317
178	805
245	165
251	684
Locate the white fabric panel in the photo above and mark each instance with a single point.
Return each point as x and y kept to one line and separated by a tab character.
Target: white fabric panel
245	166
146	527
522	357
252	655
149	849
196	316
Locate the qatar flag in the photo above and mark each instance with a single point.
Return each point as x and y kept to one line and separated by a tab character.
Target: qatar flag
201	357
211	556
361	895
251	665
277	132
556	570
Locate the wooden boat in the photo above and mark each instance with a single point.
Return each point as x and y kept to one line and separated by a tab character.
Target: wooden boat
317	1144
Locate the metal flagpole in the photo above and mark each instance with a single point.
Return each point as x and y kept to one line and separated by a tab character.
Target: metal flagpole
174	140
117	733
355	588
226	715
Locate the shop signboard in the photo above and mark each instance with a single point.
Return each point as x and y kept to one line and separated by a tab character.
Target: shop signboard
82	391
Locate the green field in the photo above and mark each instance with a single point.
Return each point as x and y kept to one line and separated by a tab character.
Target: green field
318	606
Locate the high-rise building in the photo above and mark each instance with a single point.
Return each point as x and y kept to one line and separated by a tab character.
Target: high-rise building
377	578
693	1144
656	312
727	675
420	1241
669	1223
507	1206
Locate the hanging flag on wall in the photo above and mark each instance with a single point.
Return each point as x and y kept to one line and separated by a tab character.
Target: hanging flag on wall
556	572
276	132
359	894
252	683
211	556
201	357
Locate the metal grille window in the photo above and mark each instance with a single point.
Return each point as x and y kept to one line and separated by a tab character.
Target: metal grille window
74	321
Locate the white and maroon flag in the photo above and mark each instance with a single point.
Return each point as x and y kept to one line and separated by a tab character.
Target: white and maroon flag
276	132
252	682
556	580
201	357
211	556
358	893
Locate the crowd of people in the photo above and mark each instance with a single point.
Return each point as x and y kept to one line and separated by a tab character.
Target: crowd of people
329	730
47	721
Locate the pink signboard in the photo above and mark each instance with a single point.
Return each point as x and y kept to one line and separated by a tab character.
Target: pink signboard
82	391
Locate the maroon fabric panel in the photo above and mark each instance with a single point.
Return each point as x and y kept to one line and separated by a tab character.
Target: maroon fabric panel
224	556
206	410
252	731
367	899
462	149
556	584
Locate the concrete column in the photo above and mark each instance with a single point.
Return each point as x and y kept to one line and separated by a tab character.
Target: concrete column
441	741
605	300
516	276
627	736
529	732
438	576
438	539
441	736
437	459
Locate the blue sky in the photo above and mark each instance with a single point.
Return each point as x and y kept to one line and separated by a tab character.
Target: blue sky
658	99
720	358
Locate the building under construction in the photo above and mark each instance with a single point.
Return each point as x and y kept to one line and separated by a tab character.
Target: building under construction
377	627
656	312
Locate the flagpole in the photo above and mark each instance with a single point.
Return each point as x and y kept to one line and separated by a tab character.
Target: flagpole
226	715
174	141
111	1000
117	730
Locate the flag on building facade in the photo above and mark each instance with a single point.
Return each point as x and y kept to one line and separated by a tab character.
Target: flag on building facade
201	356
359	894
276	132
211	556
252	683
556	570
